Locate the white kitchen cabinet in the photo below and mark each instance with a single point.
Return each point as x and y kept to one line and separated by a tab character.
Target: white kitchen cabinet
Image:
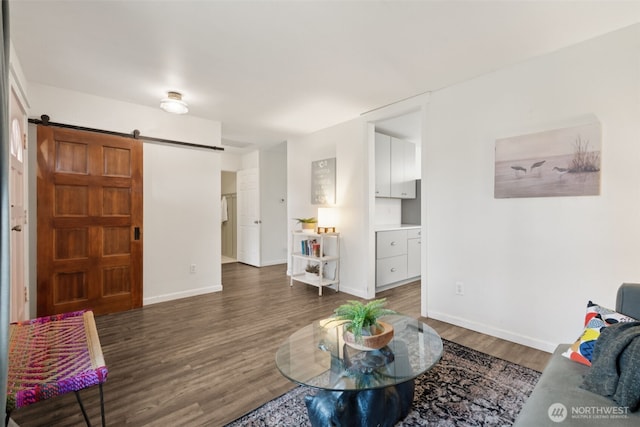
383	165
320	249
403	169
395	167
391	243
391	270
397	257
413	252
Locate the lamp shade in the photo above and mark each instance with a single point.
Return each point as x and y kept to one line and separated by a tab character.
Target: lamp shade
173	103
327	217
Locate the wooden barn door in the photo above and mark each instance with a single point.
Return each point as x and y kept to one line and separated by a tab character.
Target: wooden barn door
89	189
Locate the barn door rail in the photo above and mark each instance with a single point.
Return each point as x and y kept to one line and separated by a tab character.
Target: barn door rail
44	120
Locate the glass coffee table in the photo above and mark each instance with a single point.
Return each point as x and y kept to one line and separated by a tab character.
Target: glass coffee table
359	388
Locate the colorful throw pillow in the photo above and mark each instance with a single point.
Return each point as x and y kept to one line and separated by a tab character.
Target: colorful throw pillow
596	318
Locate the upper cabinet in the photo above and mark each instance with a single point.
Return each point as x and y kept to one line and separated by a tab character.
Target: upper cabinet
395	167
383	165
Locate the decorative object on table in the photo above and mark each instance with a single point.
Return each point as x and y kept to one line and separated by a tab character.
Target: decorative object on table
323	181
327	220
558	162
364	363
465	385
312	271
308	224
362	329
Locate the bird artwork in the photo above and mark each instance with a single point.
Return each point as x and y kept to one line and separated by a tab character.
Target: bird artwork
560	171
519	169
536	165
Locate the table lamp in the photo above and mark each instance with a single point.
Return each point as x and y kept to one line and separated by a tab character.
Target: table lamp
327	220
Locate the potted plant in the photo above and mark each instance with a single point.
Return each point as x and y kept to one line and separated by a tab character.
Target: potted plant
312	271
308	224
362	329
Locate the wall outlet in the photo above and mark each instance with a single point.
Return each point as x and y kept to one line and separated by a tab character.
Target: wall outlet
192	268
459	288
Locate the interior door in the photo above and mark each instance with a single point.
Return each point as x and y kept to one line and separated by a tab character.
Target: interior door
248	206
89	189
19	290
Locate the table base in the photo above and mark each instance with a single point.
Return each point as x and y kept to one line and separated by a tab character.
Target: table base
382	407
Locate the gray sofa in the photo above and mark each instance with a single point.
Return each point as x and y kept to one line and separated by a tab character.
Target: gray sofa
560	384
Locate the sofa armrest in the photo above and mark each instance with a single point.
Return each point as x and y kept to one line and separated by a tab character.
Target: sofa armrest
628	300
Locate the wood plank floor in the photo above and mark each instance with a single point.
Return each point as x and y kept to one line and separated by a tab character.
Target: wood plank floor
206	360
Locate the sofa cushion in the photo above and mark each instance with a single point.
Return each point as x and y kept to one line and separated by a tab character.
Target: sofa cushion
596	318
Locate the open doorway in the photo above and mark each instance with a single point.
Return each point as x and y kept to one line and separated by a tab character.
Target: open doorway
400	209
228	217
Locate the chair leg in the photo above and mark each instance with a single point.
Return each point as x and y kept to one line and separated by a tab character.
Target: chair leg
104	424
84	413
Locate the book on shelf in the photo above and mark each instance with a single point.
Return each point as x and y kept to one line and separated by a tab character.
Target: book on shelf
310	247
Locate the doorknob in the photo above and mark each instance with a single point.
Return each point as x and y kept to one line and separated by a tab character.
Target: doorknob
257	221
16	228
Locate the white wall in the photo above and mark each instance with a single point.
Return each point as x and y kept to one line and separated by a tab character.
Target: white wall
529	266
181	187
181	222
388	211
65	106
348	143
230	161
250	160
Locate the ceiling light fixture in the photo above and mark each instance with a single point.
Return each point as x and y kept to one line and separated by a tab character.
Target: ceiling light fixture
173	103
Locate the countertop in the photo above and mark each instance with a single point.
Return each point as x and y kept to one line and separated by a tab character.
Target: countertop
388	227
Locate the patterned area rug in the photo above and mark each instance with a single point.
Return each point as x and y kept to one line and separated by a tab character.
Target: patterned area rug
466	388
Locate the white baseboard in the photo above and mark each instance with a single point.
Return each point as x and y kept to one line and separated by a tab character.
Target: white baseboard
494	332
276	262
397	284
182	294
353	291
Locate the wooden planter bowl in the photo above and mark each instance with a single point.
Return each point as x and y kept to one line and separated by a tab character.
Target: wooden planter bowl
373	342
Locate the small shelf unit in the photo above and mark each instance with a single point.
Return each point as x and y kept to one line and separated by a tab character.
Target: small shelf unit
326	254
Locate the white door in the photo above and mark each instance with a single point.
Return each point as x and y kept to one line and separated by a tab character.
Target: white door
248	206
19	288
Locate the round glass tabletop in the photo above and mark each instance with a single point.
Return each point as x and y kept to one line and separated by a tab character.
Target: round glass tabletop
317	356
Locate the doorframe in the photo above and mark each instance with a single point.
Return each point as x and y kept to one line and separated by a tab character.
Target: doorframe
17	88
418	103
23	291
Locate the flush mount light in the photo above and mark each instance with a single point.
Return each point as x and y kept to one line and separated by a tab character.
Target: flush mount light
173	103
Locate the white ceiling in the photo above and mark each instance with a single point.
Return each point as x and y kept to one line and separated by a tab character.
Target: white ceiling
269	70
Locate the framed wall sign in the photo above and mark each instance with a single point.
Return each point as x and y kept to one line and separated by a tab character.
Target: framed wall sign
323	182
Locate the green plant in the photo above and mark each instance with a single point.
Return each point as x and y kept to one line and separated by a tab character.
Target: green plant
311	220
583	159
362	319
313	268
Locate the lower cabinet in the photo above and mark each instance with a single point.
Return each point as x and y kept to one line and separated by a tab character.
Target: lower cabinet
413	253
397	257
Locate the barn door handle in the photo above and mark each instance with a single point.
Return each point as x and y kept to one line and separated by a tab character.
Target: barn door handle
136	233
17	228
